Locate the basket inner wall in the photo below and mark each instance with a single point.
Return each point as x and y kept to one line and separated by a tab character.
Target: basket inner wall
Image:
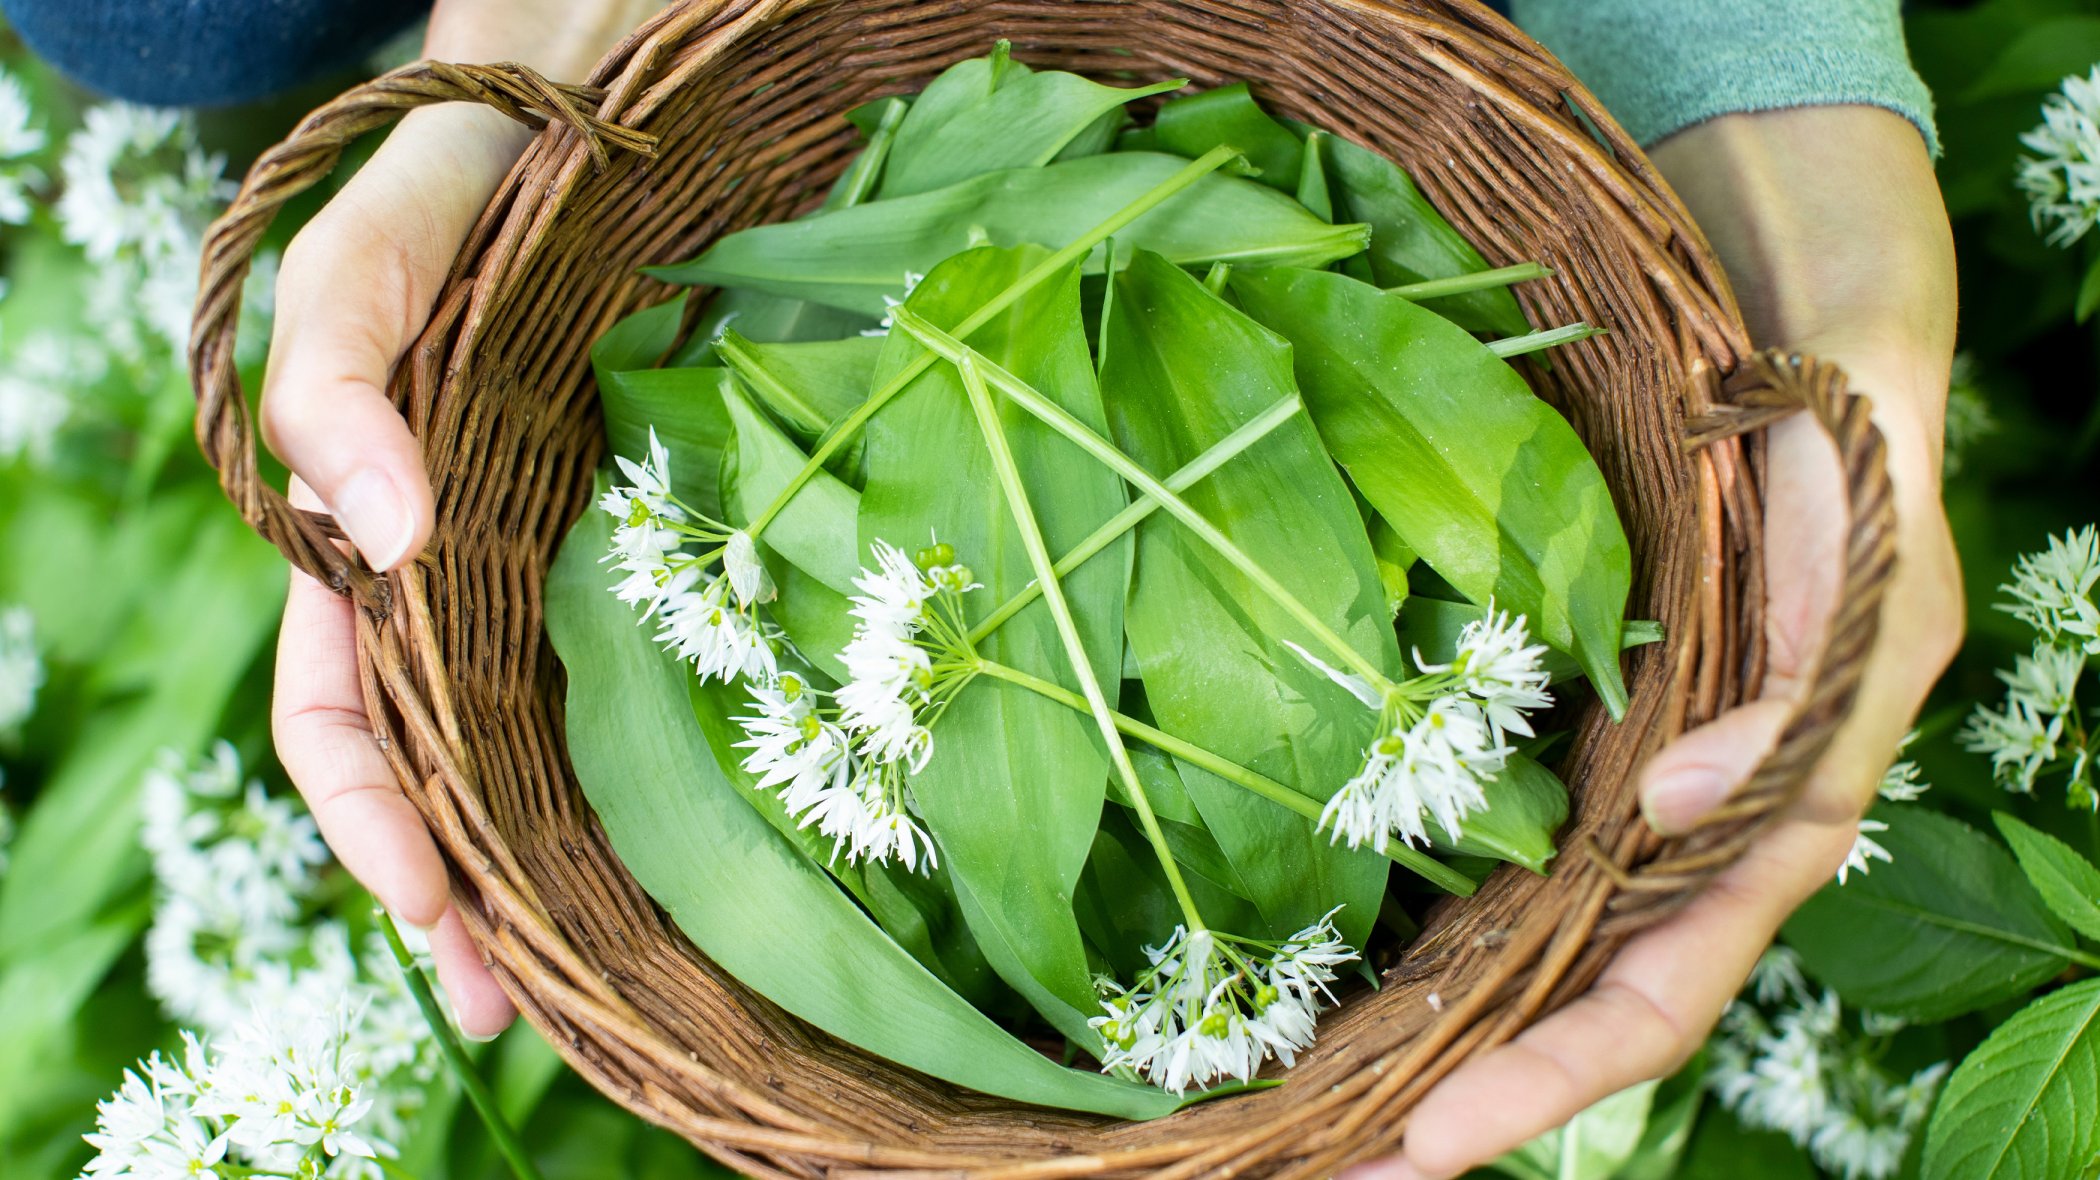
747	100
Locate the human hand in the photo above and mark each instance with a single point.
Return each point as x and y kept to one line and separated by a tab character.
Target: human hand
354	291
1830	225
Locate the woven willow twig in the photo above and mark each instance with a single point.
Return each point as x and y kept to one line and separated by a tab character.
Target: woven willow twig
744	99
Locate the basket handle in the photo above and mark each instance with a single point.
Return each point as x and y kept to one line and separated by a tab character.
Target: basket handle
308	154
1766	388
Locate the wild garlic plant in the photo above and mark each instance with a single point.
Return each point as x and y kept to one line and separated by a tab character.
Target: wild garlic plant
2041	728
1207	1005
1786	1059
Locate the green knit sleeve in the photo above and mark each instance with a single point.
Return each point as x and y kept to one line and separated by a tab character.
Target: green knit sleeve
1663	65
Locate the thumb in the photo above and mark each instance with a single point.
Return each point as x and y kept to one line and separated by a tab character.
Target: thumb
355	288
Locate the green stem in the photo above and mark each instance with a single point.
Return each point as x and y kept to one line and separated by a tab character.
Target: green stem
1026	396
867	167
1511	346
477	1090
1068	630
1253	431
732	348
1479	280
1399	852
850	425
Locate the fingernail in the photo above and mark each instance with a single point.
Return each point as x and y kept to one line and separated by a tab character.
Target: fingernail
1676	803
376	515
459	1022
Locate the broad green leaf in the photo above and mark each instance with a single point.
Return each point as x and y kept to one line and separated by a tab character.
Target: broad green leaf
1527	804
854	258
978	117
904	910
39	995
1593	1145
684	407
640	339
1947	927
2021	1106
1099	136
1183	370
1014	789
1411	241
1723	1149
773	319
1161	781
1475	473
1124	904
1313	191
809	384
2067	882
814	539
1195	124
2039	58
745	896
1394	560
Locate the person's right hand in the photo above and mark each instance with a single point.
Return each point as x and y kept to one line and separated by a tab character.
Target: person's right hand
353	293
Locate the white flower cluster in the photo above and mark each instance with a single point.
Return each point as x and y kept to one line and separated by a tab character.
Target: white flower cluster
1442	736
912	279
1902	782
2040	724
21	668
275	1098
233	933
708	619
139	190
20	140
1212	1006
845	767
1803	1073
36	380
2062	182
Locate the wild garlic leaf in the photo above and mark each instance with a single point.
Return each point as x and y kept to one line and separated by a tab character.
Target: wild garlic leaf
1949	926
816	534
1411	241
1183	370
856	258
685	408
1486	482
2067	882
1124	905
1192	125
794	937
808	384
930	475
2021	1106
964	126
1527	804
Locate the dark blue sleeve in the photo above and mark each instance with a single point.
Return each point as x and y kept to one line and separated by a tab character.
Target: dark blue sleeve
204	52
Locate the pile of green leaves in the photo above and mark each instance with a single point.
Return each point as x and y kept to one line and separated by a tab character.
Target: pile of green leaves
1245	336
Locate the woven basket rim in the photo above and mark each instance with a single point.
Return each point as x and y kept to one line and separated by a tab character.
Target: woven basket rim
1618	876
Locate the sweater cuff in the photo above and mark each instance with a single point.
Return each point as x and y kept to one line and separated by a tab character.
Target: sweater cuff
1660	66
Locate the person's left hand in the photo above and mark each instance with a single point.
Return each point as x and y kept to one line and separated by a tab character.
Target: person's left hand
1830	224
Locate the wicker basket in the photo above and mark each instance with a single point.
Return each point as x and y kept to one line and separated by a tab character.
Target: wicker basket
714	117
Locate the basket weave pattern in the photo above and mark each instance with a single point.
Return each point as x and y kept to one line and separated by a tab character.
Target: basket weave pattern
721	114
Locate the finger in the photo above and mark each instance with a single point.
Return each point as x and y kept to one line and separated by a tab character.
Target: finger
479	1004
355	288
1648	1012
1694	773
325	743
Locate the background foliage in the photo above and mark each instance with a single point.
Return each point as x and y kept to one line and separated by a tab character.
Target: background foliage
153	610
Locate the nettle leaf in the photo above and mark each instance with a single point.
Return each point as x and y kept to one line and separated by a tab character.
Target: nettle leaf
1527	804
2021	1106
1947	927
854	258
1411	241
1183	370
657	789
1005	760
685	408
989	114
1228	115
1486	482
2068	883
